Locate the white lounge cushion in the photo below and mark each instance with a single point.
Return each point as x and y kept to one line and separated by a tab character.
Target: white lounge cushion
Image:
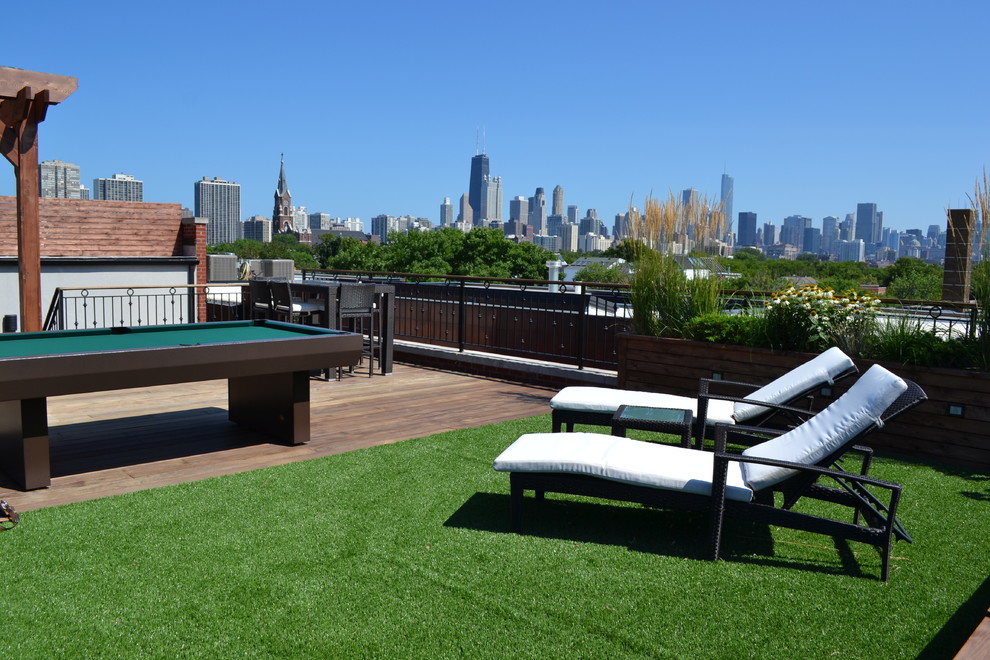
608	400
821	435
821	370
620	459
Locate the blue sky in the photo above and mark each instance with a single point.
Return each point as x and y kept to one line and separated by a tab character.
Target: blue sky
812	107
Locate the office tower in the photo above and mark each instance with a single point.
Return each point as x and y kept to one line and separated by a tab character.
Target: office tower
746	231
689	198
476	197
491	192
769	234
554	222
852	250
573	215
466	214
322	221
259	228
220	202
590	224
621	229
120	188
519	209
866	223
792	233
830	234
812	240
58	179
538	212
878	228
935	234
728	184
569	237
446	213
558	201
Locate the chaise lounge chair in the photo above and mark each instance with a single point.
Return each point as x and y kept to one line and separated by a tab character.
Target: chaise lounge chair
736	485
596	405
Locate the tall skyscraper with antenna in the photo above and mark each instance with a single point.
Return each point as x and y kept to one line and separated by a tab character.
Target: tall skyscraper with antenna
477	197
728	183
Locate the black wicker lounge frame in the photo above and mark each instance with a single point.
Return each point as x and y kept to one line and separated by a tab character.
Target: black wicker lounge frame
879	527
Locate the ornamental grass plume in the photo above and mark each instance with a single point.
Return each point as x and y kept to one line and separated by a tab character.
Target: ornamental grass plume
980	277
664	299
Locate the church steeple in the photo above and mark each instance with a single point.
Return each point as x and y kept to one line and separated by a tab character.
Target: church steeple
283	221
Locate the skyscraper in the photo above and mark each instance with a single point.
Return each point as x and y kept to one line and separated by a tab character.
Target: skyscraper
728	183
476	197
59	179
120	187
830	234
538	212
558	201
220	201
519	209
491	192
446	213
866	223
747	229
465	213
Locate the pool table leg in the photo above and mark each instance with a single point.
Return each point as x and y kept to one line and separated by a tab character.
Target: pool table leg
24	442
274	404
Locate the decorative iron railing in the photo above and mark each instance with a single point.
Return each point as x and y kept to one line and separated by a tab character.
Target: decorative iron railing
571	323
103	307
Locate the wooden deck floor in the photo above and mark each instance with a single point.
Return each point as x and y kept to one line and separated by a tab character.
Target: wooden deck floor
117	442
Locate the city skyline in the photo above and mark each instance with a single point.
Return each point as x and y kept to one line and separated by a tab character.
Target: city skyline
389	128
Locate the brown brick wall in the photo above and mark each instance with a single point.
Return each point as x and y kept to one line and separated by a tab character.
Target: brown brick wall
86	228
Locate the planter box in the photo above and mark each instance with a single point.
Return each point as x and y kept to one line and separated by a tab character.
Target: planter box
928	431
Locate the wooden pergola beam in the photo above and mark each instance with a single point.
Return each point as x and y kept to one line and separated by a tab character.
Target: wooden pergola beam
21	110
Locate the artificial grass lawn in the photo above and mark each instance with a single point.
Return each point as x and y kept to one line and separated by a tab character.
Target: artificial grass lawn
403	551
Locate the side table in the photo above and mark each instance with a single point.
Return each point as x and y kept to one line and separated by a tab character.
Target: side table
658	420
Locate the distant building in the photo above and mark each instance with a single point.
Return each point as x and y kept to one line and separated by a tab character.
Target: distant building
258	228
852	250
538	212
557	208
322	221
728	184
812	242
466	214
59	179
746	230
220	202
283	215
551	243
477	198
868	225
573	214
569	237
830	234
519	209
770	234
119	187
491	192
446	213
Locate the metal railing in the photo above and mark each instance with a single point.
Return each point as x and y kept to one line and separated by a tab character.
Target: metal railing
76	308
566	322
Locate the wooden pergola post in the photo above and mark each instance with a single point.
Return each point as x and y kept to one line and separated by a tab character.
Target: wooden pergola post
24	100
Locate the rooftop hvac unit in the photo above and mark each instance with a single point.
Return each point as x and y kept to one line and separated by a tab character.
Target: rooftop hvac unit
221	267
283	269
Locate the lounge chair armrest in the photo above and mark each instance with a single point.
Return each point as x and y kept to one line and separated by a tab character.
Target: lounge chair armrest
705	385
723	431
803	412
725	458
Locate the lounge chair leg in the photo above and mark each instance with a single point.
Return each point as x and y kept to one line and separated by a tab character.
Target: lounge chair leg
515	505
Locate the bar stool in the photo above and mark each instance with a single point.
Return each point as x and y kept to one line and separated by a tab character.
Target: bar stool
286	308
261	299
357	303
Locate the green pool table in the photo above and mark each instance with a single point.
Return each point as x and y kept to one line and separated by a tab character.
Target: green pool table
266	364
